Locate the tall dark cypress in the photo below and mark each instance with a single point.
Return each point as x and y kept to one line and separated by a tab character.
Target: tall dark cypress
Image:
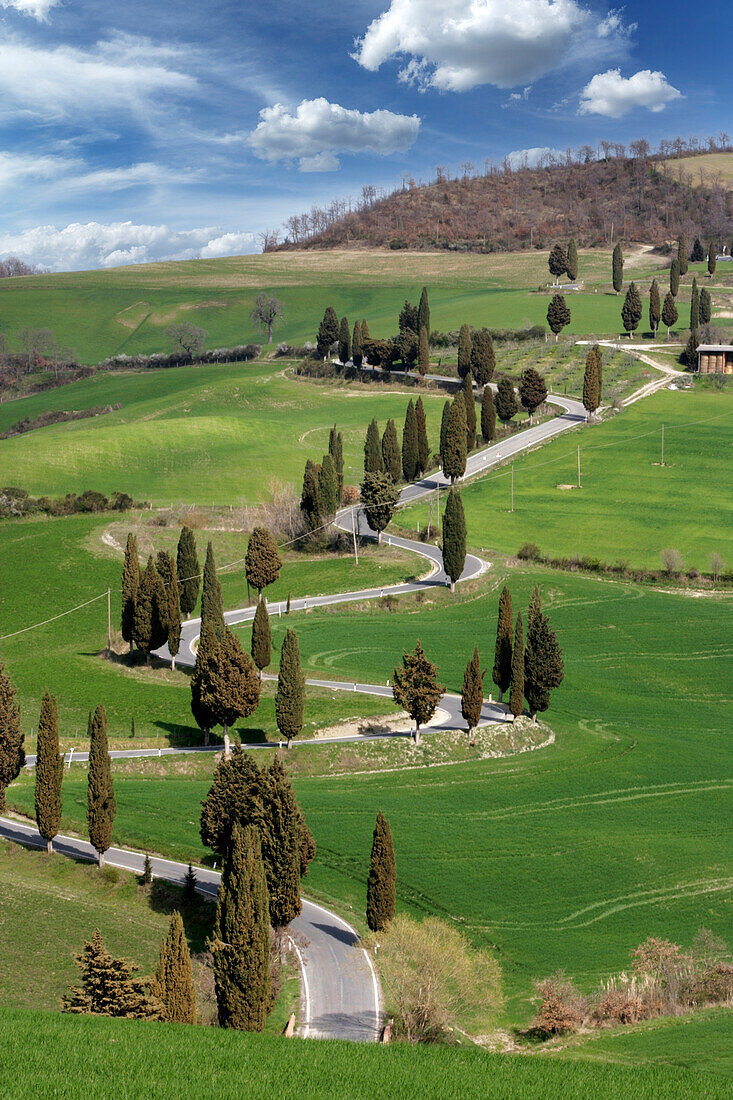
212	605
488	415
444	428
261	637
12	757
423	445
674	277
516	692
572	264
130	585
483	357
506	403
655	307
373	463
423	313
101	802
591	397
464	350
543	664
241	939
357	356
617	264
151	612
171	607
682	254
472	696
382	878
470	404
49	772
454	458
632	309
310	504
262	563
502	674
173	984
290	697
391	452
336	451
423	352
669	311
344	341
454	537
694	307
410	457
328	488
203	707
189	570
706	306
280	831
328	332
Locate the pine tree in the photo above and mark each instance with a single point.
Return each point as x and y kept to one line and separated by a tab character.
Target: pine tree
173	984
472	696
655	307
212	605
146	877
444	428
423	445
391	452
502	674
558	261
712	259
189	886
382	878
379	497
203	676
373	463
189	571
101	802
12	757
698	252
262	563
506	402
130	585
617	263
694	307
241	940
682	254
336	451
470	406
464	350
532	390
344	341
454	537
310	504
423	313
280	832
516	693
423	352
49	772
488	415
454	458
632	309
674	277
261	637
706	306
410	461
108	987
408	318
543	663
290	697
669	312
170	612
558	314
416	689
328	332
572	264
483	357
591	397
357	357
328	488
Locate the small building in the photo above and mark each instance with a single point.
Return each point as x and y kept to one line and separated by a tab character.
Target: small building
715	358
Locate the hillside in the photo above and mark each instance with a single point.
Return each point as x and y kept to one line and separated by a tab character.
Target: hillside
595	202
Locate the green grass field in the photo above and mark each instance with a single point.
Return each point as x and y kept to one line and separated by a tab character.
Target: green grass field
79	1058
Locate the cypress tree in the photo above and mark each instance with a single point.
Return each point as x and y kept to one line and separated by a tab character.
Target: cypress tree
472	696
373	463
423	352
599	370
454	458
423	313
173	983
130	586
408	318
261	637
382	878
328	332
591	396
336	451
464	350
423	445
12	757
454	537
506	402
147	876
694	307
262	563
203	676
470	404
108	987
344	341
444	428
698	252
171	609
516	694
410	458
328	488
483	358
379	497
49	772
241	939
674	277
557	261
632	309
416	689
212	605
689	355
712	259
532	390
189	570
543	663
189	886
357	357
280	833
310	504
669	311
655	307
391	452
149	628
617	263
488	415
706	306
502	674
233	688
572	264
558	314
290	697
364	332
682	254
101	802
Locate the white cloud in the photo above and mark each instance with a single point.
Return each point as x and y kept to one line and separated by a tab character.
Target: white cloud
39	9
454	45
531	158
77	247
613	95
319	129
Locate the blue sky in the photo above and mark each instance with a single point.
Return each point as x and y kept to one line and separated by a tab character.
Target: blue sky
136	131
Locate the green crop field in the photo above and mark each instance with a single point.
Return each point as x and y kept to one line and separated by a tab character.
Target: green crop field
630	507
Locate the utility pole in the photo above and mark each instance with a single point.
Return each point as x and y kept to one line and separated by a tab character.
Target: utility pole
512	507
353	532
109	625
578	465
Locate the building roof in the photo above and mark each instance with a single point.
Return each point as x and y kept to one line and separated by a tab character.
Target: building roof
715	347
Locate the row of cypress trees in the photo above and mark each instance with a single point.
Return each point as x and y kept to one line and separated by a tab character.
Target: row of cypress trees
384	455
528	669
151	601
323	485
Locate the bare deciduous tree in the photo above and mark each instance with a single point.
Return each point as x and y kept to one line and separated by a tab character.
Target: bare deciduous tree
672	561
187	339
266	312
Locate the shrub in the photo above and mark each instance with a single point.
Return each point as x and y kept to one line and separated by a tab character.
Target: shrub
528	552
562	1007
672	560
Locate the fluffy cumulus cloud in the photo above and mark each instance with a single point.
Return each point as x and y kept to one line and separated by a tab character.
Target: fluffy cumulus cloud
613	95
78	247
455	45
38	9
318	130
533	158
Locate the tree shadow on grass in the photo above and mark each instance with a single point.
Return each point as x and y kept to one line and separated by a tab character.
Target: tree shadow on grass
197	915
